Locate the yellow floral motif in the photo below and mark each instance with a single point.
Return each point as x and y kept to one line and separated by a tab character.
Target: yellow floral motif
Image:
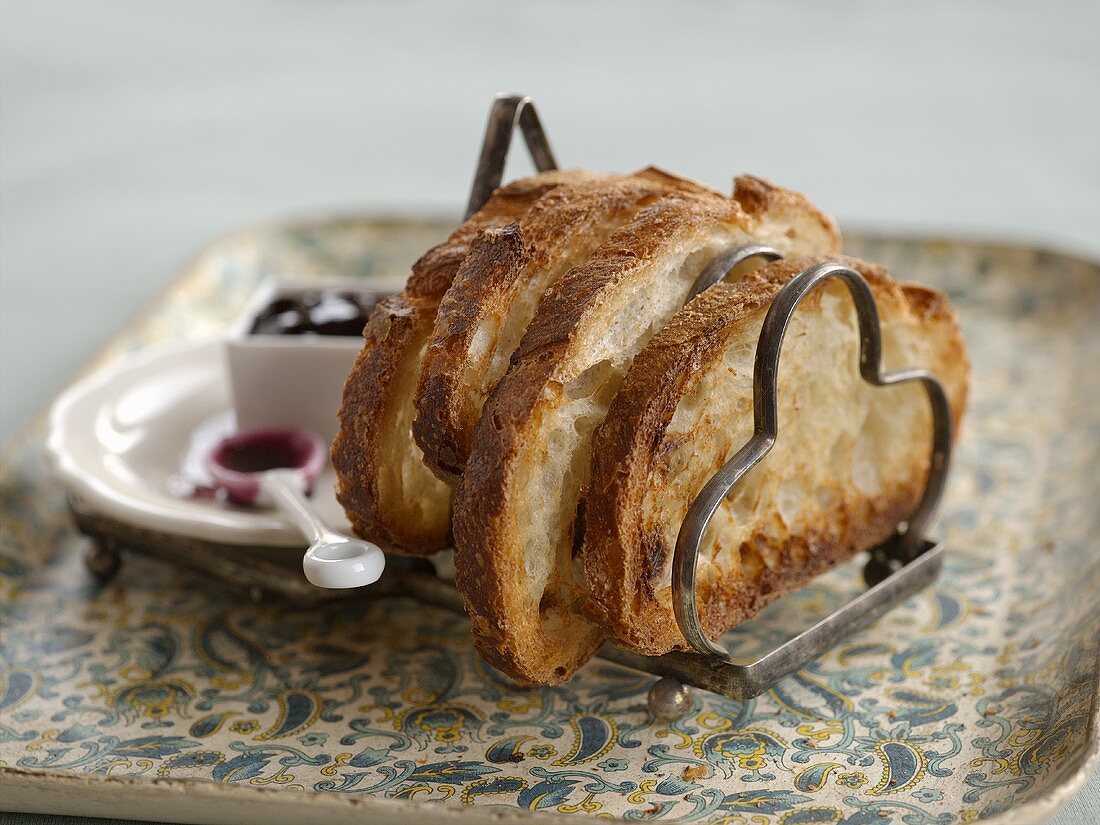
542	751
142	765
445	723
101	690
1007	655
977	681
245	726
645	788
851	780
153	699
521	704
340	761
819	733
409	793
228	682
451	734
715	722
752	762
1025	738
46	736
588	805
685	742
1002	765
384	714
135	673
749	760
417	696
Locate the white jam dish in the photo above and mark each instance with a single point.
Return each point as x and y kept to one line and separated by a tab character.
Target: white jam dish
292	347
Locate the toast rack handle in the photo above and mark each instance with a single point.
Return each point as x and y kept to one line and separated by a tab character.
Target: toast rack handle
725	262
507	111
908	543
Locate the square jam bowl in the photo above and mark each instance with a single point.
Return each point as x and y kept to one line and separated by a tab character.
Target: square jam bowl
282	376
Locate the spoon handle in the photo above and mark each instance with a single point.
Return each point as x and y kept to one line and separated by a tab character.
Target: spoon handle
284	489
332	560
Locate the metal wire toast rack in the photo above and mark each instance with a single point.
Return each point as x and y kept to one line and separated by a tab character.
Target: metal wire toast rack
896	569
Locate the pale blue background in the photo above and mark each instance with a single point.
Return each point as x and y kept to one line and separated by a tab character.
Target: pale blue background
134	132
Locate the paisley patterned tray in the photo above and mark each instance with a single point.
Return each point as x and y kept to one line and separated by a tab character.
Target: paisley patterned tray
165	695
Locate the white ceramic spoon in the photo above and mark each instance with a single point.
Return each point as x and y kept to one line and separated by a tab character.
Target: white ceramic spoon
277	467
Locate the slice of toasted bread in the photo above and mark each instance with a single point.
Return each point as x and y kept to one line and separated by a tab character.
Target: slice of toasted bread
389	495
488	307
849	464
517	500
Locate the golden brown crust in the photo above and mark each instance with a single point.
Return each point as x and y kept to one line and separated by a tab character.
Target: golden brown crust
385	497
494	294
391	335
608	305
580	294
625	558
435	270
760	196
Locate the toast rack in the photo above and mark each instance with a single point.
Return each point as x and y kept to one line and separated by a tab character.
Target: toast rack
896	570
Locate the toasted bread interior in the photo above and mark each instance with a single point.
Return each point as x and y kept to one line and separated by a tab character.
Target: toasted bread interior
849	464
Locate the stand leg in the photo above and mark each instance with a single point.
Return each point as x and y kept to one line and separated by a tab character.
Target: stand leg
878	568
669	699
102	560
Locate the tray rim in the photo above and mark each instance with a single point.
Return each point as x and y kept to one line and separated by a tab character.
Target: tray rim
24	789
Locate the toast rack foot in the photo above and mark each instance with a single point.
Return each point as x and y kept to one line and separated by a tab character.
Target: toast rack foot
102	560
879	568
669	699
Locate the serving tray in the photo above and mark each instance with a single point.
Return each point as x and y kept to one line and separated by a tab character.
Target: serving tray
166	695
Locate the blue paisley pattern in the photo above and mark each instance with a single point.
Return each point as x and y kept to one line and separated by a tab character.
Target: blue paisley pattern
973	698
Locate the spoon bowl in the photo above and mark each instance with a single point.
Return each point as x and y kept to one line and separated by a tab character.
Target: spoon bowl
341	562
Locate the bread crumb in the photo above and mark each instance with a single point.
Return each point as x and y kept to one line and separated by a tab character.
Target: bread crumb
693	772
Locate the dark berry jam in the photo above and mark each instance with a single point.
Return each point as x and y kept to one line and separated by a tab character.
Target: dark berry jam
316	312
260	450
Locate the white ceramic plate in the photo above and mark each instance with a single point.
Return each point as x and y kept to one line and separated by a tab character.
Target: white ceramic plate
118	439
